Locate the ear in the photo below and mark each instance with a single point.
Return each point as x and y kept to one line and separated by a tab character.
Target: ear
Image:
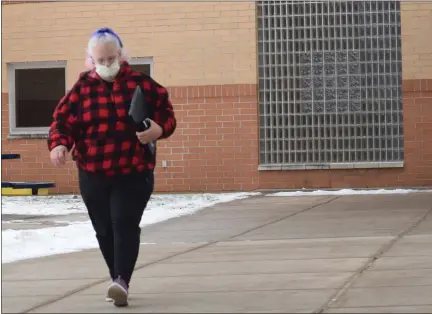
124	55
89	63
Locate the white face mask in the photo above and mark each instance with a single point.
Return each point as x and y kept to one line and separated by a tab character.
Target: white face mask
108	73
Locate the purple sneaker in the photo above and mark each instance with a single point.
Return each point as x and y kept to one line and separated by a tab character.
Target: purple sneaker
118	292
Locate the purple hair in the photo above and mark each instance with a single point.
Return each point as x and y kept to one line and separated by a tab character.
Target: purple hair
106	30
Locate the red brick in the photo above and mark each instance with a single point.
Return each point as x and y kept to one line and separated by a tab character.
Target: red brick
216	148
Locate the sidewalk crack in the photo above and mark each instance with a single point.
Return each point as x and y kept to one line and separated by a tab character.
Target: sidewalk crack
381	251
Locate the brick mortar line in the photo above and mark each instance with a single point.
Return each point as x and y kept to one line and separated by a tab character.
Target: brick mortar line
92	284
381	251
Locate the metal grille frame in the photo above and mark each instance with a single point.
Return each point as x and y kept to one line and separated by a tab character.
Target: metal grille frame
330	84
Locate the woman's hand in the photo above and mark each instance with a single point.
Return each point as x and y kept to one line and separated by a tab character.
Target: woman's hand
58	155
151	134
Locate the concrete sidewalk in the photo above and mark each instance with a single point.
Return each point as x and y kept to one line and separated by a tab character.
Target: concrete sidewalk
347	254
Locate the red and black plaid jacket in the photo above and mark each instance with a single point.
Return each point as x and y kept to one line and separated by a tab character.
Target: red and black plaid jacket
95	119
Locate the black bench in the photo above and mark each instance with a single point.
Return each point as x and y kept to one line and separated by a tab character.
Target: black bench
34	186
11	156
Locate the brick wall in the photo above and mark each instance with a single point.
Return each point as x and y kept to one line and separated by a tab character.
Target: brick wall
192	43
205	53
214	147
416	51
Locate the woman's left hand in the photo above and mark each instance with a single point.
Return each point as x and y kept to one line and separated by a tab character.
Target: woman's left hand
151	134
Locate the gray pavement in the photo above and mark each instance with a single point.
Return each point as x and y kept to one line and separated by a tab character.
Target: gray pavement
327	254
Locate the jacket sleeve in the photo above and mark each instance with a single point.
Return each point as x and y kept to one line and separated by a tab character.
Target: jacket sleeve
64	121
163	111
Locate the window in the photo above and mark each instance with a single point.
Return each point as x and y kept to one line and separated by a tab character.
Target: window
34	91
330	79
144	65
36	88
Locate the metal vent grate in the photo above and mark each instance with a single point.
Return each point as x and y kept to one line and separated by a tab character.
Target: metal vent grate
330	84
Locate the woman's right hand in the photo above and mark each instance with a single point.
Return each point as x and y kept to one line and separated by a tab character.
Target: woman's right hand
58	155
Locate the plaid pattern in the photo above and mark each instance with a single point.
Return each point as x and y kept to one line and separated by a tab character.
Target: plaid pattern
95	120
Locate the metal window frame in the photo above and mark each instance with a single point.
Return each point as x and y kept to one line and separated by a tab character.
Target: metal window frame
143	61
274	138
11	68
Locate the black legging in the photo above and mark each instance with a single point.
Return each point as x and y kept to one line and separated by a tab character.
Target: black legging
115	206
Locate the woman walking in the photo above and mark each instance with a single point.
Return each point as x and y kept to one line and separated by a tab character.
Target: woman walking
115	166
